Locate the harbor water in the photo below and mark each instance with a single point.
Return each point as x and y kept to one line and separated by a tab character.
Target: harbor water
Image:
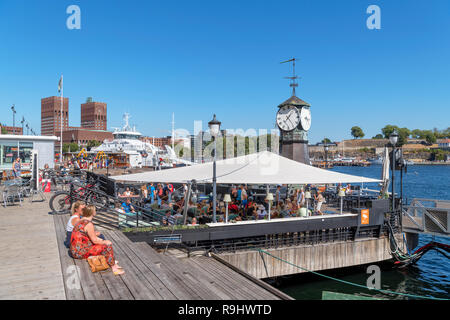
430	277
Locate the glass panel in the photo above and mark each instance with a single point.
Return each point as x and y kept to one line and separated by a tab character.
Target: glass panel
25	153
8	152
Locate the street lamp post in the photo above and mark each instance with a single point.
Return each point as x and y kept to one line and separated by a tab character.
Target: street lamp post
28	127
393	139
14	118
22	122
326	155
214	128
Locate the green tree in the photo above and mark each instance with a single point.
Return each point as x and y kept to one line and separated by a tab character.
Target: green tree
403	135
417	134
65	148
326	141
388	130
378	136
430	137
73	147
93	143
357	132
4	131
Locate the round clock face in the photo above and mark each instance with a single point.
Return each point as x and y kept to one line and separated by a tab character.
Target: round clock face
305	118
288	118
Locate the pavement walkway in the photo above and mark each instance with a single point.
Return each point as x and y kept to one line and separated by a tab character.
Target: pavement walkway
29	259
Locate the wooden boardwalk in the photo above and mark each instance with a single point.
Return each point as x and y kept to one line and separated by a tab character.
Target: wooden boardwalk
29	267
155	276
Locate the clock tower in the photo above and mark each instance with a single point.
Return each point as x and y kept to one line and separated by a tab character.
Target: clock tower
294	121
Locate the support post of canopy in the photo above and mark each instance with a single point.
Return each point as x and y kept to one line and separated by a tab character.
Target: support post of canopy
186	202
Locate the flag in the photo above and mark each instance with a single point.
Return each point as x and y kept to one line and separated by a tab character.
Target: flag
60	84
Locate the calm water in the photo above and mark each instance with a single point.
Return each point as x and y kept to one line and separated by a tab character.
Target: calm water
429	277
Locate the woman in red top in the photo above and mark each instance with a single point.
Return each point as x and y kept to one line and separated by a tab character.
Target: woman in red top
85	242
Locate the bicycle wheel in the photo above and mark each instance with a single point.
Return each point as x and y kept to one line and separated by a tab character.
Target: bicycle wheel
99	201
60	202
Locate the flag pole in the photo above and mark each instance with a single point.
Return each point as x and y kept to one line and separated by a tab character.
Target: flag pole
61	116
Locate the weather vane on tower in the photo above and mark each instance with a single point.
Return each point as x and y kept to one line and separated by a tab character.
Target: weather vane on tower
294	77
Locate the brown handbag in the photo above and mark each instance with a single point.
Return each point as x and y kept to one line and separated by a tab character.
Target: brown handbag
97	263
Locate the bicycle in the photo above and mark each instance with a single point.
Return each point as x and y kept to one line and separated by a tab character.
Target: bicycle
61	201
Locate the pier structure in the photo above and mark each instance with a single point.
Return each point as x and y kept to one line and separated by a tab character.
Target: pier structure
37	266
425	216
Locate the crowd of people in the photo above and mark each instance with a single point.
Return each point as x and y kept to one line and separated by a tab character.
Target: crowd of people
244	205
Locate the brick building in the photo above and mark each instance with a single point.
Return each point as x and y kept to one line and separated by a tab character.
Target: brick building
51	116
93	115
93	121
82	136
10	130
158	142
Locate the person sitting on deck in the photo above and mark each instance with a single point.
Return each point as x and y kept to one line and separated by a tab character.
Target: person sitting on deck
127	206
77	209
284	212
262	213
127	193
302	212
85	242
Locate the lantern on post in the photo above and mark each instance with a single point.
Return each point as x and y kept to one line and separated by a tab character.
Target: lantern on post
226	199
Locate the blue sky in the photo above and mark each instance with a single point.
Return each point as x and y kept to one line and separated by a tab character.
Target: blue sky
196	58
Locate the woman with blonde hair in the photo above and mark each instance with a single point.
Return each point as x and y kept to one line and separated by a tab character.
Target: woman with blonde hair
85	242
77	208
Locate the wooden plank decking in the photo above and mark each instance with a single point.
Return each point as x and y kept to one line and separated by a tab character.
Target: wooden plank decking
153	275
29	267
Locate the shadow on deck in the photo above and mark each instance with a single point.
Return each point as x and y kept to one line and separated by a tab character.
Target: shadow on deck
150	275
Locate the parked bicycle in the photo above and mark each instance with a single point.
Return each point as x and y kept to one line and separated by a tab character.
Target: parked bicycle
61	201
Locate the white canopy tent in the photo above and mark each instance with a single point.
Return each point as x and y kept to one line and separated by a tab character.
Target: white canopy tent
259	168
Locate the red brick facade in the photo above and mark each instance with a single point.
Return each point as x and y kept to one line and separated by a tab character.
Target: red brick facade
94	115
51	115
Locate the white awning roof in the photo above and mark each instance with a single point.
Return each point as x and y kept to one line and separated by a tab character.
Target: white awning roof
259	168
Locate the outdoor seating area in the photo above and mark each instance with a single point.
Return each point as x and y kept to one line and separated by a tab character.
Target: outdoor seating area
14	191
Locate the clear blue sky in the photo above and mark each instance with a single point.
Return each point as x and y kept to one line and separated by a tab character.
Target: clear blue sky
196	58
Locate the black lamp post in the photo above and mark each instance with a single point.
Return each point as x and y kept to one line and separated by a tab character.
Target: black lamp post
28	127
393	139
326	155
14	118
214	128
22	122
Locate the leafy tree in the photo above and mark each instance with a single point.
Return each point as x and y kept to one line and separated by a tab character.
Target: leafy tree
73	147
388	130
357	132
326	141
403	134
430	137
4	131
65	148
93	143
378	136
417	134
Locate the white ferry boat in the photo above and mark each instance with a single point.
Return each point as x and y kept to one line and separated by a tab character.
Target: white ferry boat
131	151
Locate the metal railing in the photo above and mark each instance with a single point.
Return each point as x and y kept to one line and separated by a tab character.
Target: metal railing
427	216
